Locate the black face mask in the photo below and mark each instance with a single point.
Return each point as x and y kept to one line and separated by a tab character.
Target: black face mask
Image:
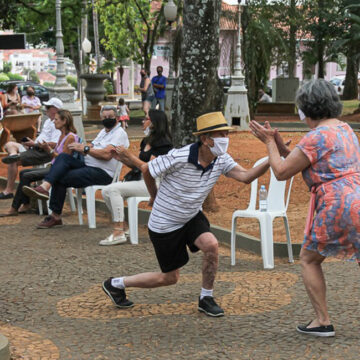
109	123
30	93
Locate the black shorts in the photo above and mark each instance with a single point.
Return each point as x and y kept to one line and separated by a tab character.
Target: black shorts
170	248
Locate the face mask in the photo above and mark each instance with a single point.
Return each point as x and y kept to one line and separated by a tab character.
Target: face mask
147	131
30	93
302	116
220	146
109	123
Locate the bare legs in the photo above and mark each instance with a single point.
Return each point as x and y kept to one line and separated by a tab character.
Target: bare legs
12	148
207	243
315	285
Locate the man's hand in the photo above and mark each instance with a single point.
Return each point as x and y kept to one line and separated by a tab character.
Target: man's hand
29	143
45	146
74	146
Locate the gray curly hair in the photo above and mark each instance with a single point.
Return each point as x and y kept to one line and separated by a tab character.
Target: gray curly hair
317	99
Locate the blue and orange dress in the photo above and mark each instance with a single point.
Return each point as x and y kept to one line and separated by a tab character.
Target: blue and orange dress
334	180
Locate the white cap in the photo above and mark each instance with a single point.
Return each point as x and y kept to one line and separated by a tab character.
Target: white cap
54	102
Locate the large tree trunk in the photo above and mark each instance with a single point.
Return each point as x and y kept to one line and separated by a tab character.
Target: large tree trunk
198	90
320	43
351	81
292	40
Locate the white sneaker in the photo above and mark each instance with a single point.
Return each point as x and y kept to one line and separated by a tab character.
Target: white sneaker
113	240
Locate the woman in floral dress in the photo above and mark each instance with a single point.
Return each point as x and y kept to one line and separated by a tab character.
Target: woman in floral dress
329	158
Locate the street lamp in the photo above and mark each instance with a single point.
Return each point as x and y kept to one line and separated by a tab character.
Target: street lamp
86	45
170	12
237	105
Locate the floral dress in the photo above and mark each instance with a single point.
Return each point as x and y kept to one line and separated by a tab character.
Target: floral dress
334	172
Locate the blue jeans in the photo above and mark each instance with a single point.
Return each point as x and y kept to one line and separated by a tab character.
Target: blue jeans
70	172
161	103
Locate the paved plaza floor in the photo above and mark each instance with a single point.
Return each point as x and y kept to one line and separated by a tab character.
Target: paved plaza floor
52	305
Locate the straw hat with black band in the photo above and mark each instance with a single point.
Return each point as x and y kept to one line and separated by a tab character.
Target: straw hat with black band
210	122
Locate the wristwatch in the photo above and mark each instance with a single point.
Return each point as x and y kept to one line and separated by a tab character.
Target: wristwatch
86	149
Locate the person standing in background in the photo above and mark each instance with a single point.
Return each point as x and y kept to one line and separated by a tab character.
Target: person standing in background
159	85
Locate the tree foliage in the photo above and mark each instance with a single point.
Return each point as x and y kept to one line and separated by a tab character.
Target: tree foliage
130	28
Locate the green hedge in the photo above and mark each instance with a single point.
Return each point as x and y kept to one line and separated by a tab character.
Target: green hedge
72	80
4	77
14	76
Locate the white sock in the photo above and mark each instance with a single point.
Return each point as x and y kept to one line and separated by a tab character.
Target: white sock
118	282
206	292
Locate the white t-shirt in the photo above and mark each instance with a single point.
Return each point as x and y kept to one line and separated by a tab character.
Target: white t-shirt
49	132
184	186
116	136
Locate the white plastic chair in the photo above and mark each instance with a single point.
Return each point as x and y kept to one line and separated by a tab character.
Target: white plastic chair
90	199
133	203
276	207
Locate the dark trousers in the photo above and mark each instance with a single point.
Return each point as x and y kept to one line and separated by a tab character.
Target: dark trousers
26	178
70	172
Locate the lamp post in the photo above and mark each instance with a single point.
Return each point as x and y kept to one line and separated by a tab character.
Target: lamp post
170	13
60	63
237	106
61	88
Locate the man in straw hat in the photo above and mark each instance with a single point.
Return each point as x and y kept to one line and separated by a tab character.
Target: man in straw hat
176	221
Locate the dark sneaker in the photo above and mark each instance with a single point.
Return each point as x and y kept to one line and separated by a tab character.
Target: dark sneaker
39	192
49	222
210	307
117	296
4	196
10	159
323	331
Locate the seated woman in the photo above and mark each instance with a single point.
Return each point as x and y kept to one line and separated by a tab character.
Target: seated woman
157	142
12	100
64	122
31	103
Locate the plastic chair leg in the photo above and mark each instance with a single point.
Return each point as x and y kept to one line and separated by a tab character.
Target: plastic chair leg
40	206
267	246
79	205
133	219
71	199
288	238
90	207
233	241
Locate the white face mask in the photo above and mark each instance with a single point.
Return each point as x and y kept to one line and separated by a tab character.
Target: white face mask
302	116
220	146
147	131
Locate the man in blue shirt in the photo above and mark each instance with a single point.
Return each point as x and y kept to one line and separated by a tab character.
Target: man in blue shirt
159	85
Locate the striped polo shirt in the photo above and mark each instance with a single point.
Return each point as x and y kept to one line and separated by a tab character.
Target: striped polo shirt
184	186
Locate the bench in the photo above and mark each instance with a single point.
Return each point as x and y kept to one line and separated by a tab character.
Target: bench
275	108
19	126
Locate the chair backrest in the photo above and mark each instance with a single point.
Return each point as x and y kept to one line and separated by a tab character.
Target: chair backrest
117	172
20	122
276	192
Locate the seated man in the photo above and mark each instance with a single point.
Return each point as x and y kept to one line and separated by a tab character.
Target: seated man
98	168
264	97
28	153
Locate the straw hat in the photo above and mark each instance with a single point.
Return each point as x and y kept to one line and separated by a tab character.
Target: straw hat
214	121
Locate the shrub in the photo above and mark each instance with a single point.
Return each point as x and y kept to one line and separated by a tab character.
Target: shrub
48	84
4	77
109	87
72	80
33	76
15	76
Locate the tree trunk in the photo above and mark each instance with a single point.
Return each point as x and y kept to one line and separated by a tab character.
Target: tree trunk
292	40
320	42
198	90
351	81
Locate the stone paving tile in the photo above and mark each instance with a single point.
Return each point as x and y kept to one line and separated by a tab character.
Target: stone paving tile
52	306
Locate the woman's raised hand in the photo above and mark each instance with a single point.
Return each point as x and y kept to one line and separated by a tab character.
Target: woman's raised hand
263	133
